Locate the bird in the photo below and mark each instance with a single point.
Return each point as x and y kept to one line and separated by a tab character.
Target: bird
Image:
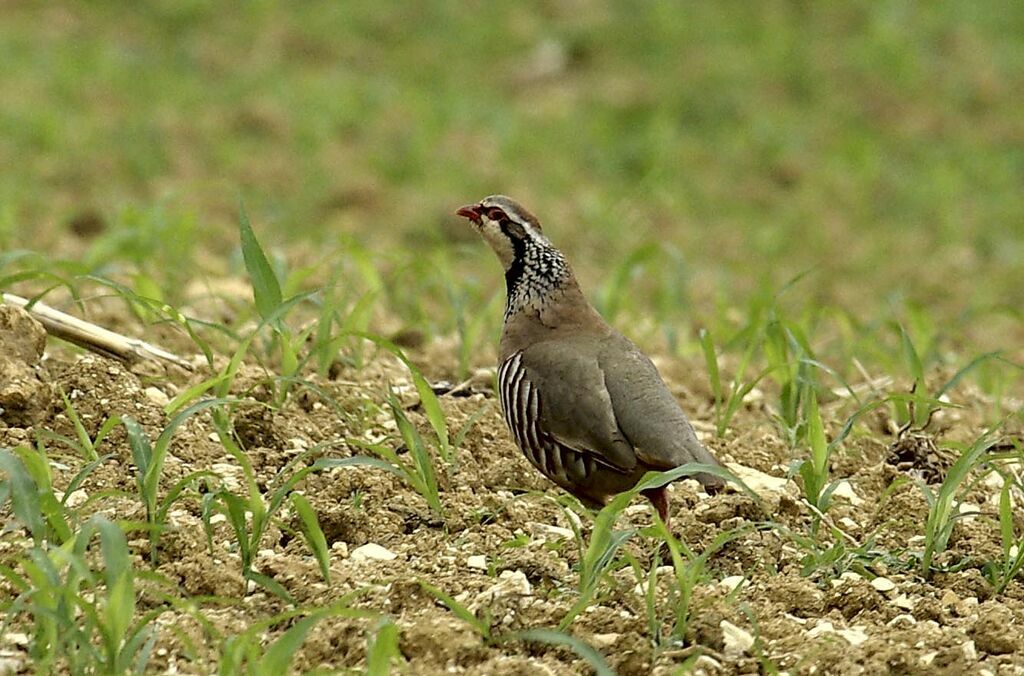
583	403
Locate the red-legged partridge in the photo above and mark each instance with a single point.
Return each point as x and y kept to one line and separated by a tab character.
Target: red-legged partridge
588	409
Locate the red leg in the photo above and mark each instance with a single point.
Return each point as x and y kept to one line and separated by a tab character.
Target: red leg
659	499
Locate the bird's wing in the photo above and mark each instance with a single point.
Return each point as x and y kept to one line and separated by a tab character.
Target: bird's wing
645	411
575	407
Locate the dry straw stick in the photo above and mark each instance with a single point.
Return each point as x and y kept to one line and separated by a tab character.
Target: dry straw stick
90	336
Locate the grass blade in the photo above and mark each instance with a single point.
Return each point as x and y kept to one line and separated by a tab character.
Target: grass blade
266	289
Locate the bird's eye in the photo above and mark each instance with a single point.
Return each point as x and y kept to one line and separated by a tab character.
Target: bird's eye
496	215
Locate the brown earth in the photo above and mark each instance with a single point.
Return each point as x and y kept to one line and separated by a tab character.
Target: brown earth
505	546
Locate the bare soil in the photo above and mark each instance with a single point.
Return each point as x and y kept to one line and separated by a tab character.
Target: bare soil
497	507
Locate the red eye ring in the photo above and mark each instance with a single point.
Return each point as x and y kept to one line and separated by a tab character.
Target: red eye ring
496	214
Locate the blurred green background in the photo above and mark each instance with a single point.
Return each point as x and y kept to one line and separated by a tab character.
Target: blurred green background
876	146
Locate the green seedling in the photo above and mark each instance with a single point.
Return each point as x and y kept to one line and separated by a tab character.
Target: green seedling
727	404
382	652
251	514
419	473
942	514
605	540
149	462
83	444
248	653
83	617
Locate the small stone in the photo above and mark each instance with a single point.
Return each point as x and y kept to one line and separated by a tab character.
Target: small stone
604	640
855	636
732	582
970	651
12	663
340	548
16	638
927	659
541	530
845	490
76	498
903	602
883	584
949	598
157	396
823	627
478	562
765	485
707	664
371	551
737	641
848	576
968	512
510	583
902	619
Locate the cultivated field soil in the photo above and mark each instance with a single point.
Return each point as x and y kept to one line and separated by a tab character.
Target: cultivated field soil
809	214
506	548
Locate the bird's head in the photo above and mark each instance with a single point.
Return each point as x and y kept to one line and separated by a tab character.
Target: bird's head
506	226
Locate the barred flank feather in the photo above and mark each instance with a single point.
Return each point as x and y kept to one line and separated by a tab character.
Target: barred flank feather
520	402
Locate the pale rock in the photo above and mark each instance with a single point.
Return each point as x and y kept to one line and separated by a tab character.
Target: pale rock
510	583
970	651
218	518
848	576
544	529
16	638
994	480
844	489
732	582
927	659
737	641
707	664
604	640
157	396
76	498
13	662
902	619
855	636
883	584
823	627
767	487
903	602
949	598
753	396
340	548
968	512
634	510
371	551
849	523
477	561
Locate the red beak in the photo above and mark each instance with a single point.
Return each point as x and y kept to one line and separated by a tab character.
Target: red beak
471	211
